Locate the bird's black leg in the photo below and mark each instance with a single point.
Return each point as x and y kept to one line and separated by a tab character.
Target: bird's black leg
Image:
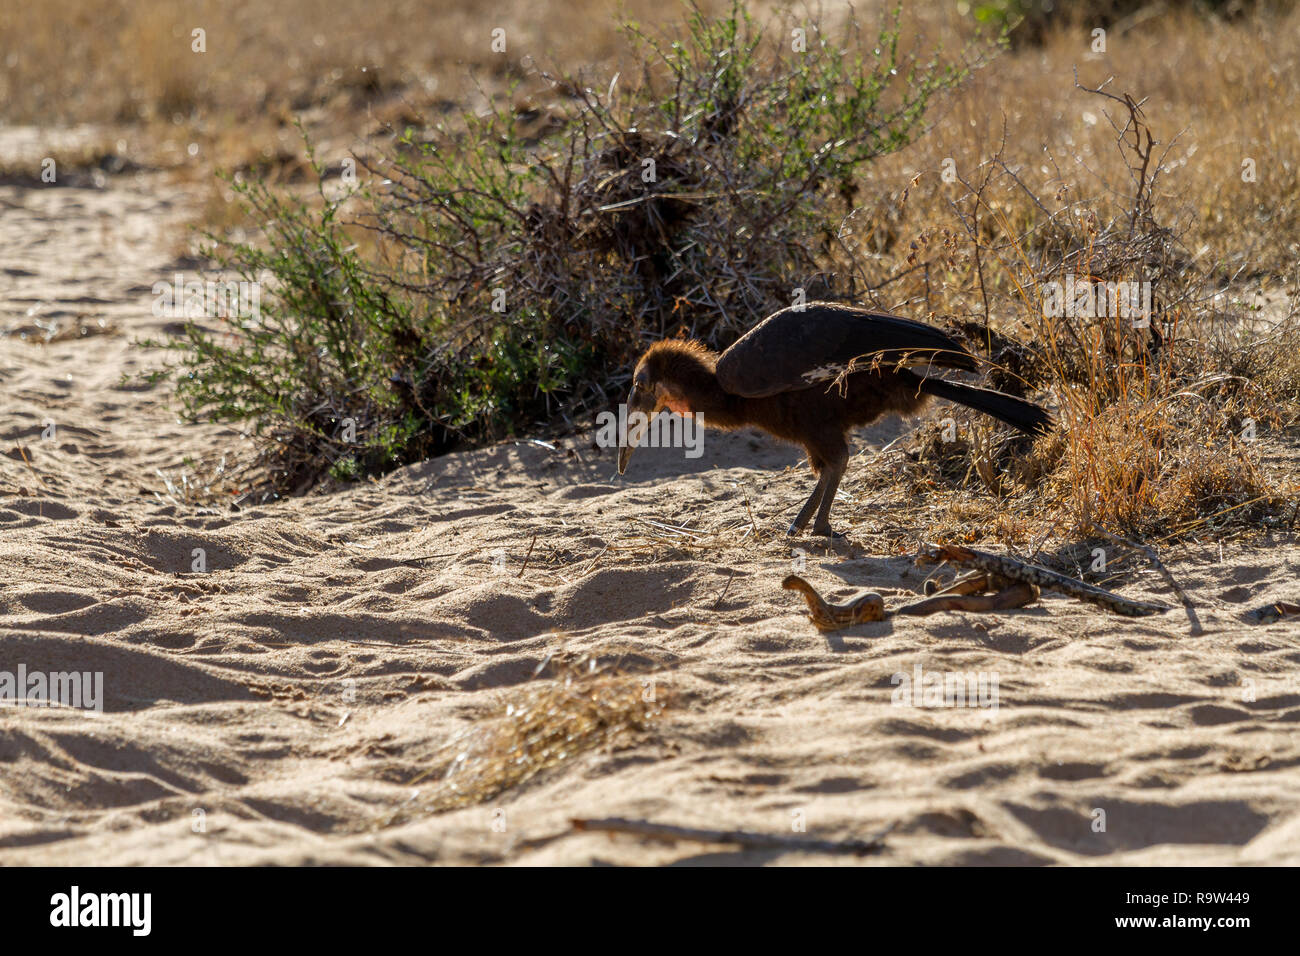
831	476
806	512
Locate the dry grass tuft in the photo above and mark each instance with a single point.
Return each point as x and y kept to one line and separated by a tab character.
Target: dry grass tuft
1166	417
582	705
1144	468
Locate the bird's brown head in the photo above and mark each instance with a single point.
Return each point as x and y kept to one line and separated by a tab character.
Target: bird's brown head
666	377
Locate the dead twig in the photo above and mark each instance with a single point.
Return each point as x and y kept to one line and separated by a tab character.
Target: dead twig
30	467
746	838
672	529
731	578
527	556
587	570
1015	570
1156	563
429	557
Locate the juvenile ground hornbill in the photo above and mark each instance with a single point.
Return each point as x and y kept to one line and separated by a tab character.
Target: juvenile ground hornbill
780	376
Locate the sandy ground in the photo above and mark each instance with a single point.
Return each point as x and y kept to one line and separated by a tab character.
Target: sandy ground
283	705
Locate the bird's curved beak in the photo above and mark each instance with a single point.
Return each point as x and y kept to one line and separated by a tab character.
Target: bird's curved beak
639	412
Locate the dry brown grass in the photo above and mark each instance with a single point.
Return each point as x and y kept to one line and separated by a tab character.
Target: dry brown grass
1155	440
1227	87
1219	92
582	704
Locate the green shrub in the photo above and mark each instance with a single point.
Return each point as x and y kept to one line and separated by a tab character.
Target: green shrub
487	281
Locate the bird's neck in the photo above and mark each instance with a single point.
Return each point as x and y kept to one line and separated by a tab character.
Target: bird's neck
700	394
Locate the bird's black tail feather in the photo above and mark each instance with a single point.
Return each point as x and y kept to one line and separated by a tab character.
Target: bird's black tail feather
1016	412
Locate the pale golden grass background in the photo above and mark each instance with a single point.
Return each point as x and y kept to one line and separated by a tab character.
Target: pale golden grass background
1226	90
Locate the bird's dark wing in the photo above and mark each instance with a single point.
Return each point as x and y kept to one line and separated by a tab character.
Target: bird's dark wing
797	348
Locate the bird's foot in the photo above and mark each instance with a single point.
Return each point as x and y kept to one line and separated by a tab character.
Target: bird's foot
796	529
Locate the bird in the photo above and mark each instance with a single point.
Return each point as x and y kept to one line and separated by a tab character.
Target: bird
786	376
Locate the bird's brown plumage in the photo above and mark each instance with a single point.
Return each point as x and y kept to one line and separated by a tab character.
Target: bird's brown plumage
799	347
782	375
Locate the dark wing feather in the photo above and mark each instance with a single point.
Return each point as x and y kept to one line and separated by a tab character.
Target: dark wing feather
797	348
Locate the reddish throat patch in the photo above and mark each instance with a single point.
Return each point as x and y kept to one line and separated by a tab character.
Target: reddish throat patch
678	405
